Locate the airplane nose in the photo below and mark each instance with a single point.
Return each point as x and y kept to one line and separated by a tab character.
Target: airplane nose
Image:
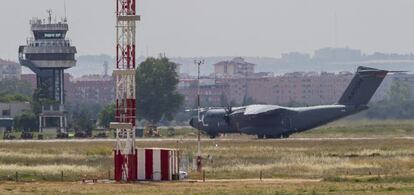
192	122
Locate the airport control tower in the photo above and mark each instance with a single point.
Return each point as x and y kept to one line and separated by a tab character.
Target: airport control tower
48	53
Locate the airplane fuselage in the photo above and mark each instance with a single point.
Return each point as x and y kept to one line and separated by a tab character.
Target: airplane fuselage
276	125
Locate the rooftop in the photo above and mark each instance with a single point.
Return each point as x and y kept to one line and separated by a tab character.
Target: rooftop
237	60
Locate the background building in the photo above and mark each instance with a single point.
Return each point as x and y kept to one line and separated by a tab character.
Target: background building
10	110
236	67
228	85
86	89
9	70
292	88
99	89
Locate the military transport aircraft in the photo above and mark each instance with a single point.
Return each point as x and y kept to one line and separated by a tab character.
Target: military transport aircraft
272	121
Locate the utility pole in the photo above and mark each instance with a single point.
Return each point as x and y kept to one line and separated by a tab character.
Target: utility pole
199	158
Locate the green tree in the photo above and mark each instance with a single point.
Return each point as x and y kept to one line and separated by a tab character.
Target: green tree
7	98
40	98
157	96
26	121
14	86
248	101
107	115
223	100
83	117
12	90
399	92
397	105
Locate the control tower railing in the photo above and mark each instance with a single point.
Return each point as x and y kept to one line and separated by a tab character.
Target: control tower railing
50	42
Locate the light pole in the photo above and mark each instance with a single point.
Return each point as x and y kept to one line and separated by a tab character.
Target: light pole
199	121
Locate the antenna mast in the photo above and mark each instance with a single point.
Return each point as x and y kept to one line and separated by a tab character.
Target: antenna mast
49	11
106	67
124	74
64	10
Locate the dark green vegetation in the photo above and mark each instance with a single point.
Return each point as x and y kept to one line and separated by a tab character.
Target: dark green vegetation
12	90
157	96
13	87
83	117
397	105
107	115
8	98
27	122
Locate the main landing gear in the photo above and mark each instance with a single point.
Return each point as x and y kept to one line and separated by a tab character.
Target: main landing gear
280	136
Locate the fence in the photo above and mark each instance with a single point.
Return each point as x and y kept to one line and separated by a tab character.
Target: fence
63	176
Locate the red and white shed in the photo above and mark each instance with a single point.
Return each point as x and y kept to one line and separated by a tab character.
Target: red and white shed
158	164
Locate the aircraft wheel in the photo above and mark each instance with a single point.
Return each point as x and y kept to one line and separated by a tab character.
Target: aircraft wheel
212	137
273	136
260	136
286	135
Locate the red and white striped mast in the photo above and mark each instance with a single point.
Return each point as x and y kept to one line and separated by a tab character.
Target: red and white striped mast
124	74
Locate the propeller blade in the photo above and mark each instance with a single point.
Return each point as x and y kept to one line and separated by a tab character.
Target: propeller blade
228	111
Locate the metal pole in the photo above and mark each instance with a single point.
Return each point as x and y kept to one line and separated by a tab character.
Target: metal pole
199	164
198	110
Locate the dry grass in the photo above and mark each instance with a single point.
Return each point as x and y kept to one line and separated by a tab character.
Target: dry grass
240	187
363	128
381	165
230	158
47	169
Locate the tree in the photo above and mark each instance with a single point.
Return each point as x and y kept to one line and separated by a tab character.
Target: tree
107	115
223	100
157	96
399	92
83	117
26	121
7	98
14	86
12	90
248	100
398	104
40	98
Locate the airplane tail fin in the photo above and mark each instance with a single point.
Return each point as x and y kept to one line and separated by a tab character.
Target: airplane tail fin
363	86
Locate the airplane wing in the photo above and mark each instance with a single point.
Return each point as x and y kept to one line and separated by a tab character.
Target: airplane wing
264	109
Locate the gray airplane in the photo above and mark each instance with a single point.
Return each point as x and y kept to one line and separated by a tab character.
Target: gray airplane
272	121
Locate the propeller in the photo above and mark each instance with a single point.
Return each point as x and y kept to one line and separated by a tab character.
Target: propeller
228	112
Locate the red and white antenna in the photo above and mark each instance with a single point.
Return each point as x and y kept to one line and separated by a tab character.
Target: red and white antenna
124	74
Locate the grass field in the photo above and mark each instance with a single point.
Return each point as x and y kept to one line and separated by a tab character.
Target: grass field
383	164
364	128
240	187
339	129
